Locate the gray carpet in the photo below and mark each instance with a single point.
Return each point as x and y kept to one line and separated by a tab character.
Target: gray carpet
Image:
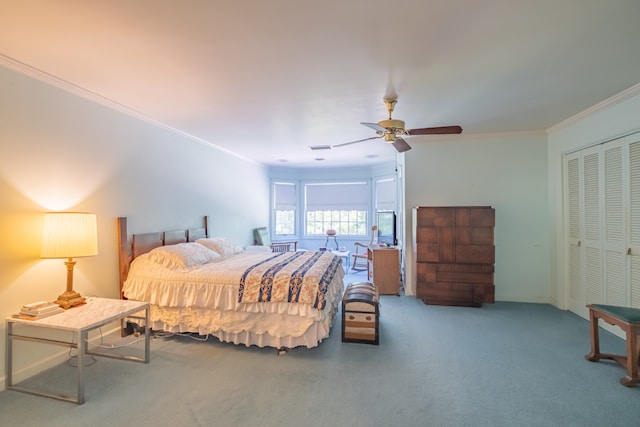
506	364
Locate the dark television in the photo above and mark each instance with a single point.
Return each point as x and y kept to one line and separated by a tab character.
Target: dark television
387	228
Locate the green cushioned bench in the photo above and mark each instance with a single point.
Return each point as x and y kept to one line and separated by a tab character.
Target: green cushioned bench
628	319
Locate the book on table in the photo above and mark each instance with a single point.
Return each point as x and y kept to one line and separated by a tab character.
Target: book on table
39	309
36	305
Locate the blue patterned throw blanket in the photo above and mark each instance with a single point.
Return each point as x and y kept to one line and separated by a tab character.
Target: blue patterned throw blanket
296	277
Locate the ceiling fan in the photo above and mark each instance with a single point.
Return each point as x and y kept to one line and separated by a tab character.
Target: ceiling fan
392	130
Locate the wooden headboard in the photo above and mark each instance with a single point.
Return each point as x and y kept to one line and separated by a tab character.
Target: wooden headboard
142	243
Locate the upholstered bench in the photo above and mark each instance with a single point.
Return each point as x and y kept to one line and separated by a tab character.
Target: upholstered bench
361	314
628	319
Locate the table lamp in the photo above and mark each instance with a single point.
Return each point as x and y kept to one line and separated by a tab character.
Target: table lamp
69	235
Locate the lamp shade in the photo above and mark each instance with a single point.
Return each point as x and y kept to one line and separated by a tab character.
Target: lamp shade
69	235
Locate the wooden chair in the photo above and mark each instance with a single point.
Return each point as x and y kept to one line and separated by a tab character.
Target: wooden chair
262	238
360	261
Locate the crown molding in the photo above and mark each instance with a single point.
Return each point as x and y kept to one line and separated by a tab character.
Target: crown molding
506	134
74	89
601	106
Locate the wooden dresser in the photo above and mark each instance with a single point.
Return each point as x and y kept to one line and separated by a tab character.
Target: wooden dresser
384	269
455	255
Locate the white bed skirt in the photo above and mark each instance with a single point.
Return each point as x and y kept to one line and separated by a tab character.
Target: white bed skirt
263	330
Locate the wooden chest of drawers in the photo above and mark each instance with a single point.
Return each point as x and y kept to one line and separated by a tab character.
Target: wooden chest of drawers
361	314
455	255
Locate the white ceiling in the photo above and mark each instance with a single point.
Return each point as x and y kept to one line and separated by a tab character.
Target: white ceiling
267	78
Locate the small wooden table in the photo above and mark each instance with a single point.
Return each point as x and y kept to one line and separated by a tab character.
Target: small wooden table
628	319
95	313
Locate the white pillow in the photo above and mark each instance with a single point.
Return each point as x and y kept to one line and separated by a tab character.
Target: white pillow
183	255
222	245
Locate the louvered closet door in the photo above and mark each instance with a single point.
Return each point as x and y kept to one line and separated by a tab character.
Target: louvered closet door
614	236
592	214
634	224
573	203
602	202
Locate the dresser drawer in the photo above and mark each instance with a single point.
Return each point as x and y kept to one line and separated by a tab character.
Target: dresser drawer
445	293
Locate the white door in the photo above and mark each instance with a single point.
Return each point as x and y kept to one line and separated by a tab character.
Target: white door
633	236
592	224
573	203
614	235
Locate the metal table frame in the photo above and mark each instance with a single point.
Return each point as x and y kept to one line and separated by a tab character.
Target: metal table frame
81	320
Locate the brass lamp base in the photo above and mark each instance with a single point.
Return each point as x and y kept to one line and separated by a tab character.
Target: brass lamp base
70	299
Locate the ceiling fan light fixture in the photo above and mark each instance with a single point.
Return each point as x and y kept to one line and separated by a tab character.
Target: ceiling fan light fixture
389	137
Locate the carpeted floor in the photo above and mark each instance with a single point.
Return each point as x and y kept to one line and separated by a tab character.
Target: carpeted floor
506	364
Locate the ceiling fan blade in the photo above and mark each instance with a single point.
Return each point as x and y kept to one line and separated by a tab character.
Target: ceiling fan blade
401	145
355	142
441	130
329	147
374	126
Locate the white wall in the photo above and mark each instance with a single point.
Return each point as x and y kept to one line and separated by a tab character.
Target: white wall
611	119
59	151
507	172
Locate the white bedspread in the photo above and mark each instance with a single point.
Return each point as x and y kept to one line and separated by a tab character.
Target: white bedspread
204	299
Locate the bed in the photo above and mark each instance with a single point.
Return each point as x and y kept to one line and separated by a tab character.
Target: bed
211	286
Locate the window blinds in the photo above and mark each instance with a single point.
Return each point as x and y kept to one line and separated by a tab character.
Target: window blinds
347	196
386	195
284	196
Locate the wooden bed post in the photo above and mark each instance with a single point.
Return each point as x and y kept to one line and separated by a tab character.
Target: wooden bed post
125	251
